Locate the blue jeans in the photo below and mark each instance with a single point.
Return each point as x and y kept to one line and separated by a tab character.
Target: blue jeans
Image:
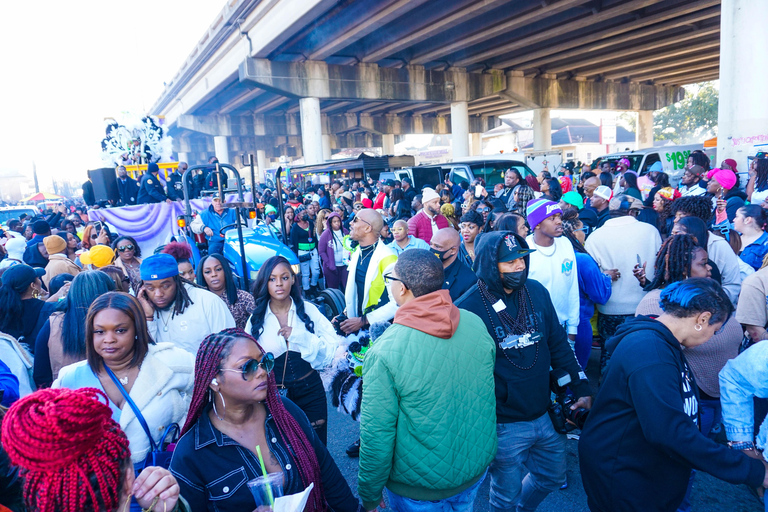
461	502
529	464
216	245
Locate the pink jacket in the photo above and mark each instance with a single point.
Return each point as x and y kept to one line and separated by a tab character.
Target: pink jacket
420	225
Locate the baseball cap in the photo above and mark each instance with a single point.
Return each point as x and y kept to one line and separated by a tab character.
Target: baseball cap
603	192
511	249
625	202
696	169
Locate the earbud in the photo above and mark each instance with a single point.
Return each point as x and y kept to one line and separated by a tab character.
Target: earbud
214	381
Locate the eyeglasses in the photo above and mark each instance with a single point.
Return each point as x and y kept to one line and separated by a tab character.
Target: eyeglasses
483	210
388	278
123	248
249	369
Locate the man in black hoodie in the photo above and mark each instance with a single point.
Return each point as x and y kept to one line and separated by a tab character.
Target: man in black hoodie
521	319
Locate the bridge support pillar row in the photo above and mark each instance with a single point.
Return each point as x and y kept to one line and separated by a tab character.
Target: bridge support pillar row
743	107
326	147
477	144
542	129
388	144
460	129
184	157
261	166
311	130
221	148
644	135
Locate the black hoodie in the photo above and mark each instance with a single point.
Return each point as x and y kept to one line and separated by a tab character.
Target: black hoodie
641	438
521	375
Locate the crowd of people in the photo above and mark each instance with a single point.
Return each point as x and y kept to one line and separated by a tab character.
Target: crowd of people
470	317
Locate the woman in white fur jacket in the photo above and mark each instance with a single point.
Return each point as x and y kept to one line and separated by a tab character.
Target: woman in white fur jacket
159	378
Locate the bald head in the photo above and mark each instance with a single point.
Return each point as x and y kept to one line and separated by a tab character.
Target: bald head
400	223
445	243
590	185
372	217
366	227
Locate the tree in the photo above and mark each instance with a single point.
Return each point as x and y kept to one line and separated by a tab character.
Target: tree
690	120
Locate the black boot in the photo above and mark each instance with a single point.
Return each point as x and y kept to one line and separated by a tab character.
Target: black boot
353	450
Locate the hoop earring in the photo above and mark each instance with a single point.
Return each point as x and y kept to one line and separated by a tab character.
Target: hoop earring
223	404
697	327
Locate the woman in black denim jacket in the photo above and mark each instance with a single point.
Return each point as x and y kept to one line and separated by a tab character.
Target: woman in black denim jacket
236	407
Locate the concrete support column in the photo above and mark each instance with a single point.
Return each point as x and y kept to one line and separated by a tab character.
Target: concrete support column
476	144
743	107
311	130
542	129
261	165
221	148
326	147
388	144
184	157
644	135
460	129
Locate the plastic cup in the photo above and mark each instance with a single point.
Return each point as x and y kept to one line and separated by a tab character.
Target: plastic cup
259	486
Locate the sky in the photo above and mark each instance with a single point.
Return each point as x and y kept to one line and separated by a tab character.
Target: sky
68	65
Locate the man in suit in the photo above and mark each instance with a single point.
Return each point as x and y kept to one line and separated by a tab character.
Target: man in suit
127	187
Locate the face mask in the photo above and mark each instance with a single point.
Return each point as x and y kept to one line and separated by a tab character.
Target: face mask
513	280
440	254
305	217
272	216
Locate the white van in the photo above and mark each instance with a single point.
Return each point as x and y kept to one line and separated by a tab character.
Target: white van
672	158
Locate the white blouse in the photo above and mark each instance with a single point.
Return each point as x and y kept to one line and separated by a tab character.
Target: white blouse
316	348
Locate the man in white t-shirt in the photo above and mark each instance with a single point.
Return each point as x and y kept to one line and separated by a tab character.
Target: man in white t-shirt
554	262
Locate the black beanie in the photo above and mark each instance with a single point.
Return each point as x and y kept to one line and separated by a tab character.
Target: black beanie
40	227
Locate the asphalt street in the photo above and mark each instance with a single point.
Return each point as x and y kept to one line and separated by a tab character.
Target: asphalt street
709	494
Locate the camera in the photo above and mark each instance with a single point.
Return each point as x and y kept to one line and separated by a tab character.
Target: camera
560	411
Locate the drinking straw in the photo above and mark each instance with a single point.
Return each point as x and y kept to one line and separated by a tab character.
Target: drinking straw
266	475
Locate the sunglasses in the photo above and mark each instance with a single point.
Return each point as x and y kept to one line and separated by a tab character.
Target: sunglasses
483	210
249	369
123	248
358	219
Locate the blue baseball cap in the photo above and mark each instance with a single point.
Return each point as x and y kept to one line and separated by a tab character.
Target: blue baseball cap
158	266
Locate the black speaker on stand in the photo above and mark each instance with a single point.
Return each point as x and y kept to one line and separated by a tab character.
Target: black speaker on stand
104	184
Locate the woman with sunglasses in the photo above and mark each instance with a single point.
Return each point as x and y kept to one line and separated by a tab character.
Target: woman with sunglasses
236	408
128	258
122	359
301	338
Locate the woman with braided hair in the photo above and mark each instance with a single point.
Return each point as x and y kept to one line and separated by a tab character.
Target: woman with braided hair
301	338
73	456
235	408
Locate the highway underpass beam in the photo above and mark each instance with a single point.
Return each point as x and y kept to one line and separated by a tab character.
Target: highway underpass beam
460	129
542	129
221	148
743	106
311	130
644	135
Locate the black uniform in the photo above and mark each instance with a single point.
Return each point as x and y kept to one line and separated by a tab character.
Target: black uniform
175	188
129	191
151	189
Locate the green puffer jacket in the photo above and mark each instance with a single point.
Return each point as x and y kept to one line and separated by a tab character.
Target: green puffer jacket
428	419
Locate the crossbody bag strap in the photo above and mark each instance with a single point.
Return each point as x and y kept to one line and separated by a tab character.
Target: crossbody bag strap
133	406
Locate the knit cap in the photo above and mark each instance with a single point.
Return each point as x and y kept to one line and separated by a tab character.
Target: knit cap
539	209
54	244
573	198
725	177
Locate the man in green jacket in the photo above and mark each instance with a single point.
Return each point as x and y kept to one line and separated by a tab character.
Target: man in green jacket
428	420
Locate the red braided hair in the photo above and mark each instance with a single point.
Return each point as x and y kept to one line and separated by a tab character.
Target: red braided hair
72	455
212	351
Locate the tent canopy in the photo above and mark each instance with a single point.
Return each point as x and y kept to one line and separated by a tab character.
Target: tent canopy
711	143
42	196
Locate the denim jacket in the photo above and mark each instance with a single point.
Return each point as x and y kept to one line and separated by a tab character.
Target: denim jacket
212	469
742	378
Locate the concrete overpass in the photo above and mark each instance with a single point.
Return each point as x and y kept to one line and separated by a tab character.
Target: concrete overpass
301	77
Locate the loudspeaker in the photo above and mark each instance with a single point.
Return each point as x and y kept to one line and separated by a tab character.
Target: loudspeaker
104	184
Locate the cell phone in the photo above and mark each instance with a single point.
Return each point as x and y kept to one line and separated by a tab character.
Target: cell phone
639	262
478	190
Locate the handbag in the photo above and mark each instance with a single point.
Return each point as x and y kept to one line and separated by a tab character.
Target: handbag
157	456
